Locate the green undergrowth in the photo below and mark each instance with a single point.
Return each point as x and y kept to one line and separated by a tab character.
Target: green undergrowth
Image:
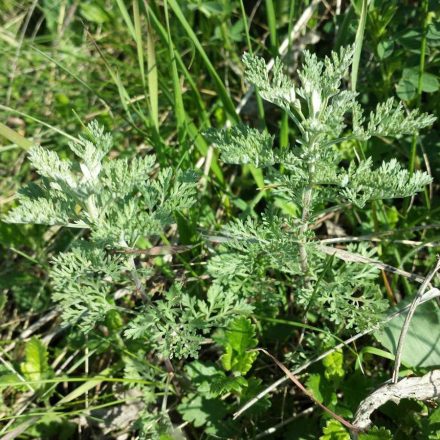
177	195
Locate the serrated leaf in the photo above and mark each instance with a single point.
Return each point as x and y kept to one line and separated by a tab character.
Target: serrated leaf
376	434
36	366
223	384
238	362
239	339
241	335
333	430
334	365
204	376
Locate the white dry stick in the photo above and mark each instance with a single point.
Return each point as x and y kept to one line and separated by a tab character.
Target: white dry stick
421	388
412	308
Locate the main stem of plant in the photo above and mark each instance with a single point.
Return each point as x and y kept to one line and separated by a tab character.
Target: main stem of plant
306	206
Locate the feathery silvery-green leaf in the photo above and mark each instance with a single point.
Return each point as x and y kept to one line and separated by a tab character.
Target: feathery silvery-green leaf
392	121
48	164
92	150
388	181
346	293
117	199
177	325
243	145
82	280
121	177
321	79
256	247
333	117
277	88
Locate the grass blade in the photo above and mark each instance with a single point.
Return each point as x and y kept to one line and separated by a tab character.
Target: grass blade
221	89
178	99
138	40
14	137
272	24
358	44
39	121
153	91
126	17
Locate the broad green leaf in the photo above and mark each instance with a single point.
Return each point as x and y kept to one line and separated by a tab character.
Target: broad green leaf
422	348
94	13
224	384
238	362
10	378
239	339
312	385
241	335
200	411
433	34
406	90
385	49
408	85
322	389
36	366
434	418
203	376
430	83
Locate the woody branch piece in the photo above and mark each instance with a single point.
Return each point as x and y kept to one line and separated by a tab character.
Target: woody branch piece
421	388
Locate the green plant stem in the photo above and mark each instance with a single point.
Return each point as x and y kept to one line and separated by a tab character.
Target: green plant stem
307	198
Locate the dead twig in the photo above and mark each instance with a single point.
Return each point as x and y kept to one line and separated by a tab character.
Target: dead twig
358	258
420	388
156	250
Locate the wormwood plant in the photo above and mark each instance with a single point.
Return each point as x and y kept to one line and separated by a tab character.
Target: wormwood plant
263	253
120	204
